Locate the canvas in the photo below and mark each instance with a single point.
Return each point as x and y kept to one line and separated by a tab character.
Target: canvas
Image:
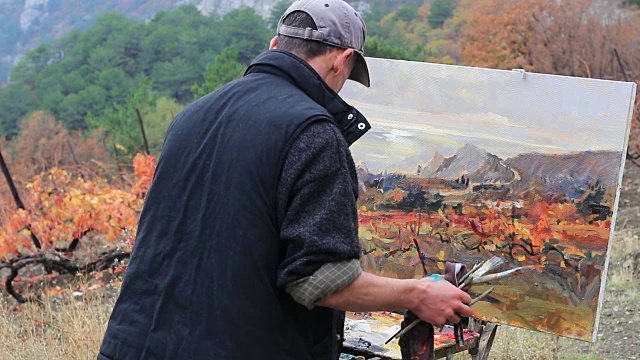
467	163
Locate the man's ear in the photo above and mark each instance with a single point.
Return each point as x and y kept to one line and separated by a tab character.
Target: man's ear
273	44
342	60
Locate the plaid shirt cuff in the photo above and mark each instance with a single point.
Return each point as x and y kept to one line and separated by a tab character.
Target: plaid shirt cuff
329	279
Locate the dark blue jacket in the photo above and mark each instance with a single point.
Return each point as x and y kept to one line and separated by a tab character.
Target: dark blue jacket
205	280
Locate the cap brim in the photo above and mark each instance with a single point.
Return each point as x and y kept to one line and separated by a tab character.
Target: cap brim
360	72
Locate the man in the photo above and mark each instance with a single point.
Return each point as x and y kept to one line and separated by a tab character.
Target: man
247	244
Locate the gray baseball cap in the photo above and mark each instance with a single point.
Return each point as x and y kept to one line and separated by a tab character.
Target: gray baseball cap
338	25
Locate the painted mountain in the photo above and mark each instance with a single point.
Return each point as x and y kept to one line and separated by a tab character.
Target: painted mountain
476	164
567	174
431	168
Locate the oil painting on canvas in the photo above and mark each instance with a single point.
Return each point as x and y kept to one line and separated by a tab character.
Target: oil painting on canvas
463	164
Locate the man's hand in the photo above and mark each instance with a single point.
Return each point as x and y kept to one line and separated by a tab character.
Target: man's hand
437	302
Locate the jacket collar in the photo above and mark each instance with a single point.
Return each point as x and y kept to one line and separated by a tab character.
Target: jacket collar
284	64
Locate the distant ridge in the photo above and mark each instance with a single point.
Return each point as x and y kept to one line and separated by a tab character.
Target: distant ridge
567	174
578	168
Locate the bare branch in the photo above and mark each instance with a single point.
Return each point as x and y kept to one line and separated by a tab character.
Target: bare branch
58	262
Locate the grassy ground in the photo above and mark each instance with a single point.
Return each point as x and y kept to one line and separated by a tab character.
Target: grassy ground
60	327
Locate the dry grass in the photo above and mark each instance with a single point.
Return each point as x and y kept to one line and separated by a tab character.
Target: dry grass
513	343
59	327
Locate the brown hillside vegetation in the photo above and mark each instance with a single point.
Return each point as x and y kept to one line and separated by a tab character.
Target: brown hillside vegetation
574	38
45	143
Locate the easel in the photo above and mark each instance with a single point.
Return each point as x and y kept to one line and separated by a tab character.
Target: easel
365	337
480	350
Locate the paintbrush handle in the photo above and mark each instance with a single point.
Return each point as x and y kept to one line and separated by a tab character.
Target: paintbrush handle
482	296
465	276
405	330
504	274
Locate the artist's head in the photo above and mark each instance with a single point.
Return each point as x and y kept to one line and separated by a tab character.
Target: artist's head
329	35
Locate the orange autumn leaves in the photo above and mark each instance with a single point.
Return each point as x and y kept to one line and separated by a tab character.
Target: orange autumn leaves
64	206
573	38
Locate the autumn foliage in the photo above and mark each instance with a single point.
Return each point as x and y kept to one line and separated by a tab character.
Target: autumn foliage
64	207
81	213
575	38
44	143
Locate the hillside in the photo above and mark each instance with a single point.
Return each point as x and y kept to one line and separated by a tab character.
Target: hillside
25	24
98	77
84	77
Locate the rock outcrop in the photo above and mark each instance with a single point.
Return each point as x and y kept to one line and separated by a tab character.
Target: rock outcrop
33	10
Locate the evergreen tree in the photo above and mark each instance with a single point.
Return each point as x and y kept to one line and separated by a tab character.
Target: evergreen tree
15	104
246	31
407	12
120	121
441	10
276	12
225	68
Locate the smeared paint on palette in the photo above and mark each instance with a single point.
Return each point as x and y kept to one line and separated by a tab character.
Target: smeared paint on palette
471	163
368	332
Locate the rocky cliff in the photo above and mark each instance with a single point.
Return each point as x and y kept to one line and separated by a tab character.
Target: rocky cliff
262	7
33	10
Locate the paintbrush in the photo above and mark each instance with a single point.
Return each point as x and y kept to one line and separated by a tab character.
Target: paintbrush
403	331
486	267
481	296
469	273
504	274
418	321
489	265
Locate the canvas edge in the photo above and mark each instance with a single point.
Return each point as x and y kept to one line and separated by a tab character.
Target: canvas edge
594	336
517	71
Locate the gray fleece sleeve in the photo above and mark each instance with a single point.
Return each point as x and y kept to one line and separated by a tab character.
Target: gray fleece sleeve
317	212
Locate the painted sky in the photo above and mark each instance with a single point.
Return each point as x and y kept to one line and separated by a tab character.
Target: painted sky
417	109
